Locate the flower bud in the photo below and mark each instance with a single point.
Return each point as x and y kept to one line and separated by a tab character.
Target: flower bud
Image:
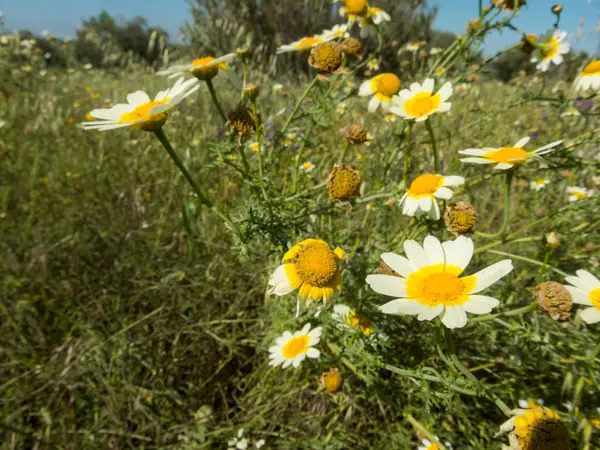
554	299
551	240
241	121
460	217
331	381
557	9
344	183
527	44
356	134
243	52
251	91
508	4
351	46
326	57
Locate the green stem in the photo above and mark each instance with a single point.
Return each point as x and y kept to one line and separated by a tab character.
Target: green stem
344	153
298	104
407	152
514	312
424	431
507	185
529	260
243	155
213	94
436	158
296	167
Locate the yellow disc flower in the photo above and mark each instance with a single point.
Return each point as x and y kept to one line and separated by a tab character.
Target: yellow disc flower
140	112
382	87
589	78
311	268
536	428
551	51
353	8
419	102
506	157
291	349
423	192
429	282
203	68
585	289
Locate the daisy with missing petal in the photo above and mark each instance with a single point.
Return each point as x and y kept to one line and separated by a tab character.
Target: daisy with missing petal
578	193
585	289
338	31
311	268
291	349
419	102
506	157
537	428
140	112
340	108
353	8
350	319
589	78
423	192
538	185
203	68
551	51
382	87
429	282
374	16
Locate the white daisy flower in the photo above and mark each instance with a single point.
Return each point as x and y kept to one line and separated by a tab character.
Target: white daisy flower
382	87
291	349
426	444
589	78
429	284
338	31
254	146
347	318
539	184
87	66
374	16
307	167
578	193
259	443
506	157
239	442
530	404
140	112
421	196
277	87
571	112
307	43
535	428
551	51
435	51
341	108
419	102
585	289
390	118
202	68
373	65
413	47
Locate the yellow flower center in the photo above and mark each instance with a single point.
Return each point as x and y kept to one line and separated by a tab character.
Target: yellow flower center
202	72
507	155
595	298
354	320
202	61
579	194
422	104
439	285
307	166
142	113
541	428
540	181
308	42
549	48
316	264
425	185
433	446
386	84
296	346
355	7
591	69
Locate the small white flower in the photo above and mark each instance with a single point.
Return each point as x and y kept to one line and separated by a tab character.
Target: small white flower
373	65
277	87
2	123
382	87
259	443
307	167
551	51
291	349
199	67
413	47
538	185
585	289
349	319
239	442
419	102
47	55
428	445
341	108
421	196
435	51
571	112
87	66
578	193
589	78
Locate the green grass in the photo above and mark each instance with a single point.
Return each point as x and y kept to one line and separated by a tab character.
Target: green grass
131	318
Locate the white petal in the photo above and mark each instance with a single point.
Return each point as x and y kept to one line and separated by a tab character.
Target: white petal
503	166
434	212
459	252
399	264
579	296
279	282
425	203
589	280
365	89
577	282
387	285
590	315
431	313
416	254
445	91
454	317
403	306
444	193
313	353
480	304
138	98
473	151
415	88
411	205
491	274
435	251
476	160
428	85
454	180
374	104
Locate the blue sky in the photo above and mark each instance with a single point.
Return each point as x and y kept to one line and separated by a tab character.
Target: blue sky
61	17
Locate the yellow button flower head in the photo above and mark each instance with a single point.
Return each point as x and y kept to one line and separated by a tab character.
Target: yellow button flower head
326	58
589	78
350	319
203	68
307	43
423	191
353	8
551	51
585	289
140	112
382	87
578	193
430	284
344	183
311	268
535	429
419	102
291	349
506	157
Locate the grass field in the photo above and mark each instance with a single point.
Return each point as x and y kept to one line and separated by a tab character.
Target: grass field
131	317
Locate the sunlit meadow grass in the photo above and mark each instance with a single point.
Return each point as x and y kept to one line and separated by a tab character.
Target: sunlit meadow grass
132	319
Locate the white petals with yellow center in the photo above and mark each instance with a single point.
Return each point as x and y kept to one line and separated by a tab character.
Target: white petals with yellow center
551	51
589	78
585	289
539	184
382	87
200	64
419	102
307	43
350	319
578	193
291	349
506	157
535	428
429	282
421	196
140	112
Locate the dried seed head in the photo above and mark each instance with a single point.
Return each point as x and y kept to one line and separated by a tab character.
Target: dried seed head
331	381
326	57
241	121
251	91
460	217
473	26
508	4
527	44
351	46
344	183
243	52
557	9
551	240
356	134
554	299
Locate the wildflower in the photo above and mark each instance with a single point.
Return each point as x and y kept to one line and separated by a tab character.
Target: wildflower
585	289
571	112
537	428
383	87
352	46
557	9
390	118
307	43
426	444
460	218
423	191
307	167
589	78
554	299
204	68
87	66
338	31
310	267
350	319
326	57
254	146
356	134
435	51
291	349
506	157
374	16
354	8
527	44
239	442
373	65
420	102
539	184
578	193
530	404
241	121
508	4
552	240
277	87
251	91
413	47
341	108
551	51
140	112
344	183
331	381
429	283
